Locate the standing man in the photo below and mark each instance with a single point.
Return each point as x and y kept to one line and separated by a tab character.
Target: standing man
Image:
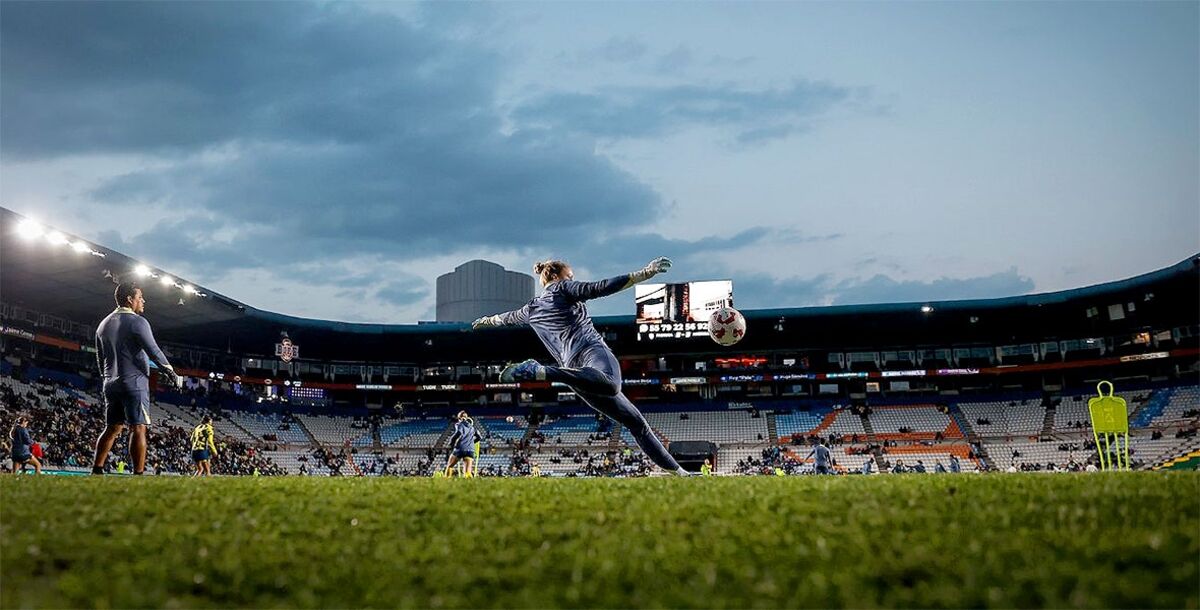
824	462
124	348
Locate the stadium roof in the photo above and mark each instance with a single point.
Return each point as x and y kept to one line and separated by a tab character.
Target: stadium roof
77	285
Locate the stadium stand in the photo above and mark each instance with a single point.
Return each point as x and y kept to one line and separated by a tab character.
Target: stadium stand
413	433
583	430
328	430
1004	417
714	426
1011	429
915	422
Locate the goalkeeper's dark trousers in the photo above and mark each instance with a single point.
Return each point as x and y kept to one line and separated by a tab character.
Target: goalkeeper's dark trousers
597	381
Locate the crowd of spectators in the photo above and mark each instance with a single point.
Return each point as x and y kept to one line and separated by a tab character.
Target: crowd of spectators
66	427
772	461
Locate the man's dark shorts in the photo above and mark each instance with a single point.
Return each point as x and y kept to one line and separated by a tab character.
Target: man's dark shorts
461	453
200	455
124	405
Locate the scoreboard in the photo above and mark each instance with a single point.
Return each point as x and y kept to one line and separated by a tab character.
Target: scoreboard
679	311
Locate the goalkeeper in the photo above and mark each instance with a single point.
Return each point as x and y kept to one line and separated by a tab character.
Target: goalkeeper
124	348
585	363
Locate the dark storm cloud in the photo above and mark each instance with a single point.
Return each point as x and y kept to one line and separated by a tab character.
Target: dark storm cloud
631	251
286	134
652	111
762	291
162	77
298	130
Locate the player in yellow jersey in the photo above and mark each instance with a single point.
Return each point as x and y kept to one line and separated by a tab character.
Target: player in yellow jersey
203	447
478	443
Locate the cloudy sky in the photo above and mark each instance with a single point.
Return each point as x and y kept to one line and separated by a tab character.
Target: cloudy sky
332	159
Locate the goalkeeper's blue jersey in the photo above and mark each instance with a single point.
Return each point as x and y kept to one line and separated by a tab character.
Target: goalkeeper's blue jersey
560	318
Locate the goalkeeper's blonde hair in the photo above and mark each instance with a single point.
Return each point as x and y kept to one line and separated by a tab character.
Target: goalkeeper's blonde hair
550	270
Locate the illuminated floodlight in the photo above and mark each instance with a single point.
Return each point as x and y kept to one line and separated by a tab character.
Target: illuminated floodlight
926	309
167	280
55	238
141	271
189	289
29	229
80	247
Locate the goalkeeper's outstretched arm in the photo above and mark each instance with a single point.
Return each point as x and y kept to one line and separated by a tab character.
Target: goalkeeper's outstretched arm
515	317
593	290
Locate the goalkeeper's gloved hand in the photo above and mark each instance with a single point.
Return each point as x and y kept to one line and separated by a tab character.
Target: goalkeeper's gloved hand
653	268
486	322
172	377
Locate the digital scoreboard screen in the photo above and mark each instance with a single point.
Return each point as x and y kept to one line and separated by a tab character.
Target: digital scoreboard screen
679	311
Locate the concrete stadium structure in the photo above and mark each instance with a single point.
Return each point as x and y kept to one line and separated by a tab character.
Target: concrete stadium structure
479	288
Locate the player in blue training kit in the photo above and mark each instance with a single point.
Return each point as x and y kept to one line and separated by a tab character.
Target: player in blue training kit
560	318
462	444
824	463
124	348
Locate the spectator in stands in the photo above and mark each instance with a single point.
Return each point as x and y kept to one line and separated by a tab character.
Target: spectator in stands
22	446
124	347
920	467
866	467
954	465
938	468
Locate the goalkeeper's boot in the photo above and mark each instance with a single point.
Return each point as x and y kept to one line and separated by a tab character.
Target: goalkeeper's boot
529	370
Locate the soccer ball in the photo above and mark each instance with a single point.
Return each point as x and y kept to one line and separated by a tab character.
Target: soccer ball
726	326
509	419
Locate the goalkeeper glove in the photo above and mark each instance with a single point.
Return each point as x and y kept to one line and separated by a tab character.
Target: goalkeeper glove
653	268
486	322
172	377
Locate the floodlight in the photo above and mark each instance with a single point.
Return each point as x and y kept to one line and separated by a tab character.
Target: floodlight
80	247
29	229
141	271
55	238
926	309
167	280
189	289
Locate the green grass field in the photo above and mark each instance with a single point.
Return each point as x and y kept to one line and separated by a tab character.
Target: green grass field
1099	540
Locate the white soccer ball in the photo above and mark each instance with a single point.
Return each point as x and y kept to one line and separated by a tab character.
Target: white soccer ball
726	326
509	419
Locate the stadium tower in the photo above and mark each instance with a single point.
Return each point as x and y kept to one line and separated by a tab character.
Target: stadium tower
479	288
